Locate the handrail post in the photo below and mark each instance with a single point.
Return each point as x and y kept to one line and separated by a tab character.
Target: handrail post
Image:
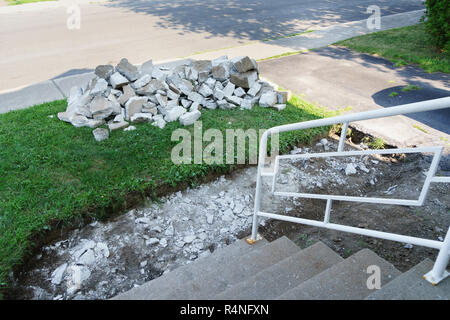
343	136
439	271
257	200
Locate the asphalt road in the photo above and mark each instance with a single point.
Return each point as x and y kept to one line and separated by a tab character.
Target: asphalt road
36	45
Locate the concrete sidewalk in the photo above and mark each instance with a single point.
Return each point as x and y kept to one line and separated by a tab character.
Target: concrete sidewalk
58	88
316	39
338	78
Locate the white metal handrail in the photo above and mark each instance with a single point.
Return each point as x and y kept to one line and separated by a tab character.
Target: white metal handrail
438	272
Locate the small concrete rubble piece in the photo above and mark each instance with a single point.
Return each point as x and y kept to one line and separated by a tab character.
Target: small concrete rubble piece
101	134
124	94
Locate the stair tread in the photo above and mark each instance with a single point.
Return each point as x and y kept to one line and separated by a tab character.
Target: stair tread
152	289
284	275
235	270
411	286
346	280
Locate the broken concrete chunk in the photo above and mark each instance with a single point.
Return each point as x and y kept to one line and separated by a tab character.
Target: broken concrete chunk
350	169
58	273
99	86
234	100
152	87
229	89
128	93
186	103
243	64
117	80
195	106
172	95
220	73
79	121
205	90
190	117
202	66
239	92
195	97
100	134
104	71
142	81
150	110
244	80
211	105
100	108
279	106
94	123
133	106
185	86
219	94
65	116
191	74
282	97
159	121
128	70
268	99
159	75
203	76
141	117
130	128
114	104
218	61
118	125
246	104
254	89
119	118
174	113
146	68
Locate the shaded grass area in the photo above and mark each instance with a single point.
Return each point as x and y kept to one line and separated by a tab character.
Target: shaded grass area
16	2
54	175
407	45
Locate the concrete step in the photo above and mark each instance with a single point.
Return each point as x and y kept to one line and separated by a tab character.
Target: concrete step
346	280
284	275
237	268
153	289
411	286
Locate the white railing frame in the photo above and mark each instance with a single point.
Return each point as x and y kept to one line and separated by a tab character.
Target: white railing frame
438	272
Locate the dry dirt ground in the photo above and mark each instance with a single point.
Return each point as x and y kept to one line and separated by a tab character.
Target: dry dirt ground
103	259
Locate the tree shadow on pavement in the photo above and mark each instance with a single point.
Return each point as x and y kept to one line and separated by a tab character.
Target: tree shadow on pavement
257	19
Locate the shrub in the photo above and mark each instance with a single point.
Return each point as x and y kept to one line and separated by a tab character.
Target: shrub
437	22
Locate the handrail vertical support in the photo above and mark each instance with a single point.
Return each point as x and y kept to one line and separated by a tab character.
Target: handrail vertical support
327	211
343	136
439	272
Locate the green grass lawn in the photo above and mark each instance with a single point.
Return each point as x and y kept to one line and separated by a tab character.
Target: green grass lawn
407	45
54	175
16	2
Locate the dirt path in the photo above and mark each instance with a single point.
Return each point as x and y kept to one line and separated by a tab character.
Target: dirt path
106	258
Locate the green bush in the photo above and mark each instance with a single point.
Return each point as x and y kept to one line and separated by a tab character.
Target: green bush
437	22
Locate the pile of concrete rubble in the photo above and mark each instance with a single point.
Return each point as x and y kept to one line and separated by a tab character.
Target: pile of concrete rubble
126	93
